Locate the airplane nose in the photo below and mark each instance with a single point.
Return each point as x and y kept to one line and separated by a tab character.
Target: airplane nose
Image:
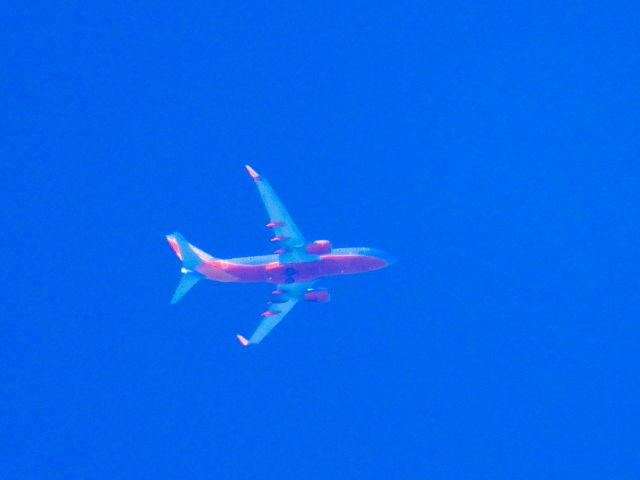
386	256
389	258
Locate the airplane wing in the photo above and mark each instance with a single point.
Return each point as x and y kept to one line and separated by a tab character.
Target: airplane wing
292	245
286	297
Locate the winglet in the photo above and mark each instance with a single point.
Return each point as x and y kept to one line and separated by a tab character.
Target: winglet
252	172
243	340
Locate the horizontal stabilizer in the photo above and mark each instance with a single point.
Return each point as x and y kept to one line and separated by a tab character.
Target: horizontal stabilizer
187	281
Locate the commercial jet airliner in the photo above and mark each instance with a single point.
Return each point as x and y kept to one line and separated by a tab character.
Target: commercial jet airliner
293	268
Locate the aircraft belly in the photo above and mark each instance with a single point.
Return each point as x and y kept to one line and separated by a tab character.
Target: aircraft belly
276	273
347	264
250	273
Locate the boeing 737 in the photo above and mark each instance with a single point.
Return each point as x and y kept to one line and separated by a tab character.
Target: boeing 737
293	268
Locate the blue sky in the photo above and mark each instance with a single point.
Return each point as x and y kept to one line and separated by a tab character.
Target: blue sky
491	146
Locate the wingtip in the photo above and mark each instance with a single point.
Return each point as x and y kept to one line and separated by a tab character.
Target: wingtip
243	340
252	172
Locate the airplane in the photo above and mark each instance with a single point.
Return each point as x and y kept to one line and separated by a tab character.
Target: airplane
293	268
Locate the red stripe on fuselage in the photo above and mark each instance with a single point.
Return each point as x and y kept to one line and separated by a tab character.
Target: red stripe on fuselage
274	272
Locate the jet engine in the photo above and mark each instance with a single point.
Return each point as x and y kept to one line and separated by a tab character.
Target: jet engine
320	295
319	247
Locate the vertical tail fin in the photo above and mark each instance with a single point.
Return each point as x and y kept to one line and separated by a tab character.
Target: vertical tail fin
190	260
184	250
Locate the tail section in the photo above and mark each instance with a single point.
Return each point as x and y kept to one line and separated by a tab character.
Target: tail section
189	279
190	260
184	250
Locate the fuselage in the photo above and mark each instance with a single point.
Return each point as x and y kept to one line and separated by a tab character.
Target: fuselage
268	269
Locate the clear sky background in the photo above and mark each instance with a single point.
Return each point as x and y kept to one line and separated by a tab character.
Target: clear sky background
492	146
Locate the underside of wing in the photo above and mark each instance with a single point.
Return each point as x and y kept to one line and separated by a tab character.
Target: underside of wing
284	299
291	243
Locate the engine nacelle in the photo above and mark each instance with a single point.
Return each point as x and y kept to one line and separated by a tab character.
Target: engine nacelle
319	247
317	295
